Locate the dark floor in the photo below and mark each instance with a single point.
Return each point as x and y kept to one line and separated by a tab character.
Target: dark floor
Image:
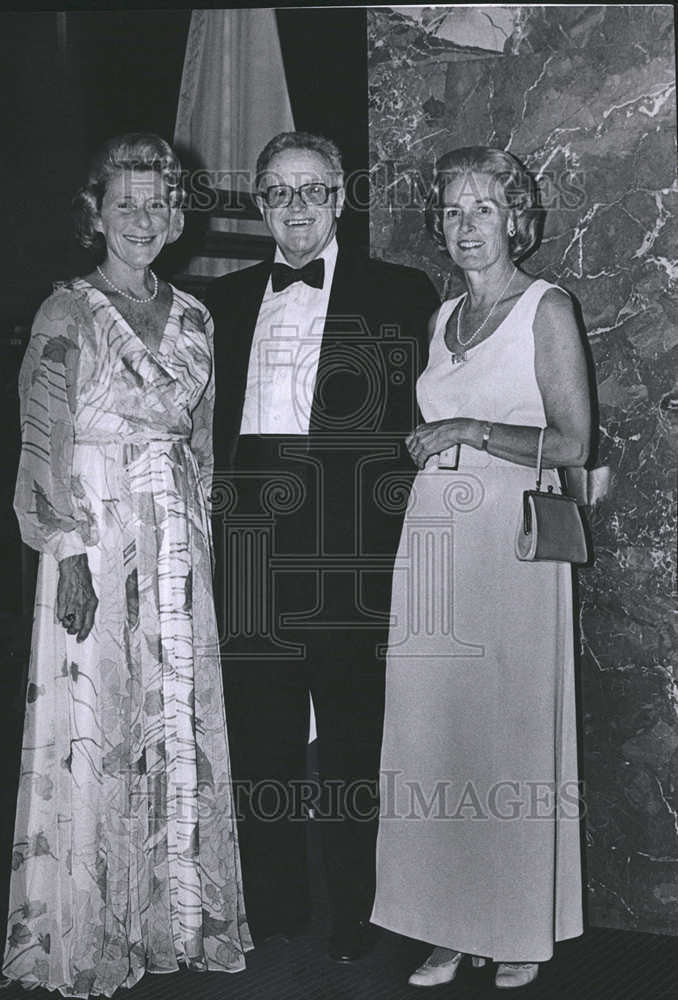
602	965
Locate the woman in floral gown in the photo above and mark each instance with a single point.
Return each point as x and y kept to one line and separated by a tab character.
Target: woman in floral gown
125	853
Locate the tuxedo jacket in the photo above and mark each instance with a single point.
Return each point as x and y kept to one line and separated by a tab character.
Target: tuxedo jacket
377	312
374	346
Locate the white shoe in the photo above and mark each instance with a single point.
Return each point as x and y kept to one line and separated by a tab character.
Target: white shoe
511	975
433	973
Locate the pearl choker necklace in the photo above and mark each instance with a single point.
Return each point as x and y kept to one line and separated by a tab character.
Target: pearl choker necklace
125	295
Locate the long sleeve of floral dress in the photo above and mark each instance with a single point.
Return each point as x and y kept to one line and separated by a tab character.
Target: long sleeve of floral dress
202	418
52	517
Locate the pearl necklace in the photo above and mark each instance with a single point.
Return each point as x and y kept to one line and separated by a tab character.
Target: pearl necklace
458	358
125	295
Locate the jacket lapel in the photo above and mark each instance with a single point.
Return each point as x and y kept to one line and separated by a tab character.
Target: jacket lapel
339	390
343	292
240	309
247	307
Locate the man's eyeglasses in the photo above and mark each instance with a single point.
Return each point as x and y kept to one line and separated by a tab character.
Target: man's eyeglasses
282	195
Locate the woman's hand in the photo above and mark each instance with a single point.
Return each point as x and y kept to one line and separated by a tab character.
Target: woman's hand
430	439
76	600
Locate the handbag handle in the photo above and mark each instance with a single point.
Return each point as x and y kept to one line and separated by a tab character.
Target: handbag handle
540	448
526	503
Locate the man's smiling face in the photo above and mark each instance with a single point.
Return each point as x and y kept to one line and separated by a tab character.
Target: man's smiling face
301	231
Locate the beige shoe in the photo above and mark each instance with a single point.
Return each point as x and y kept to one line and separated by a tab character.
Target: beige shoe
511	975
433	973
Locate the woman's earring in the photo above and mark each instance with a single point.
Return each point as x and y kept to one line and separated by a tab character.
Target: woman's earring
511	228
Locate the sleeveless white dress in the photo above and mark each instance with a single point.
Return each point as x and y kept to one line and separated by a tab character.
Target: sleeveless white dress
478	845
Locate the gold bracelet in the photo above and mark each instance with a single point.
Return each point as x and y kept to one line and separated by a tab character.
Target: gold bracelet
486	436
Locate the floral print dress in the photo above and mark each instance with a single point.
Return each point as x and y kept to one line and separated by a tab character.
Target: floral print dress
125	854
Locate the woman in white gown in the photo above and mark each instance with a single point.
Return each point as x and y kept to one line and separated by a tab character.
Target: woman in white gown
478	850
125	852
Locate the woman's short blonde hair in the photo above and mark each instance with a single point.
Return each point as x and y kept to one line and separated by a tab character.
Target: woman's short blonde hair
131	151
516	190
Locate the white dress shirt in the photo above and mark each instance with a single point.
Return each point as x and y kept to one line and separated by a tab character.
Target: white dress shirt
283	364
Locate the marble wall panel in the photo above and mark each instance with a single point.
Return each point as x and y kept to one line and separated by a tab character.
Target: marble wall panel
585	96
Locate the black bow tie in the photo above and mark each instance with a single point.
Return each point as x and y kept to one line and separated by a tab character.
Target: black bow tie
312	274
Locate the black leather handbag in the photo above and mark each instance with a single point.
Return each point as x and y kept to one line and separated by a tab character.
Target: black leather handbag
550	526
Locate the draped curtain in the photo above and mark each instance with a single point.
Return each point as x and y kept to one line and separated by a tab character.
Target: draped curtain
233	99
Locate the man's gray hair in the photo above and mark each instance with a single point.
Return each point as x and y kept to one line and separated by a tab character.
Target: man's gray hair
299	140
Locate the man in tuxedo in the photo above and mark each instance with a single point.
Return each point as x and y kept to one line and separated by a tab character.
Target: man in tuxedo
316	356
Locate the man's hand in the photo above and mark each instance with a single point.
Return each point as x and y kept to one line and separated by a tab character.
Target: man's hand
76	600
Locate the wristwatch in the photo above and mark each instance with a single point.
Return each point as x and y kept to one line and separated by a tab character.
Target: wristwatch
486	436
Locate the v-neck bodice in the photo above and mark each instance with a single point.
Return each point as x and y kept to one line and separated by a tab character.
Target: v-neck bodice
161	347
124	390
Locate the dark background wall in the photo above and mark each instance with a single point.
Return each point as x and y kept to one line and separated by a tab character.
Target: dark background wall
68	81
325	57
585	96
